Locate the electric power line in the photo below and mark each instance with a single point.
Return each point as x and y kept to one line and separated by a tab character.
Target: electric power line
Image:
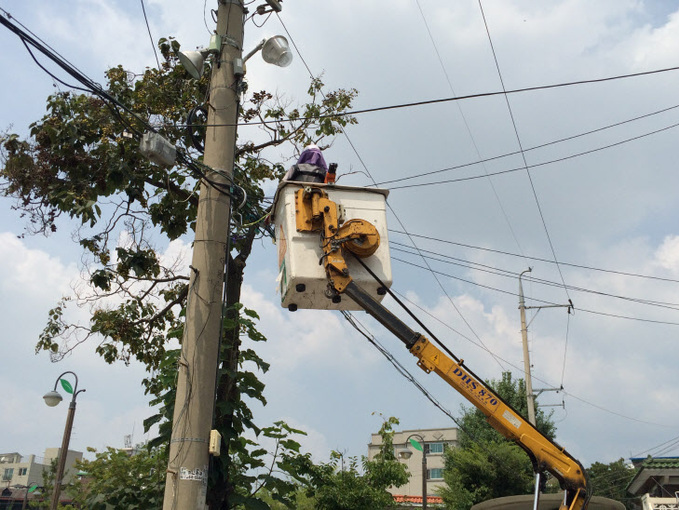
446	259
536	147
495	289
538	259
467	127
544	163
458	98
153	45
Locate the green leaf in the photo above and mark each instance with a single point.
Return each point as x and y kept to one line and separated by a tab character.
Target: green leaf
415	444
66	385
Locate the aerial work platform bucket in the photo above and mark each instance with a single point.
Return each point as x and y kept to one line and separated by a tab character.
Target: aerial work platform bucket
302	281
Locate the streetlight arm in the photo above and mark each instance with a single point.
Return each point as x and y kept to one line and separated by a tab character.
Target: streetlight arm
255	50
75	388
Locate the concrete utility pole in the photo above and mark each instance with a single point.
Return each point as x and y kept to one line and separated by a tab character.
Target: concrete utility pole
530	396
187	473
526	355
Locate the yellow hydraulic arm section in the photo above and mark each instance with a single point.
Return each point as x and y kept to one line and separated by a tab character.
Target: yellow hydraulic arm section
316	212
545	454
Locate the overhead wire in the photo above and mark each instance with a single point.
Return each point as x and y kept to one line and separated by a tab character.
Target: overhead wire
205	17
69	68
458	98
153	45
509	154
662	446
511	293
523	154
538	259
49	73
467	127
669	448
446	259
544	163
403	371
535	147
311	74
355	323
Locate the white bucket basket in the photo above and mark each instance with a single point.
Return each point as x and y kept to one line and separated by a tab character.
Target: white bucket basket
302	282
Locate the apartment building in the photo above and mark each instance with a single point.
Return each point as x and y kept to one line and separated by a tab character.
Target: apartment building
434	442
19	471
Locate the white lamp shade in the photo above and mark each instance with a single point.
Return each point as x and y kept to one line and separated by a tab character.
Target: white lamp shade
193	62
404	453
277	51
52	398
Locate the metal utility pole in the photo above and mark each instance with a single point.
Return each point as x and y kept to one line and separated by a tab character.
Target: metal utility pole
187	473
526	355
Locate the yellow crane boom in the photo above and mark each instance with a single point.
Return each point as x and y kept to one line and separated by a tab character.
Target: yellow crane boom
315	212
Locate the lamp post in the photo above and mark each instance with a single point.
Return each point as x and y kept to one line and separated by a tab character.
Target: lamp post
405	453
52	399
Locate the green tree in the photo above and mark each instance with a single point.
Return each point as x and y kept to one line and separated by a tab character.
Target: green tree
350	484
485	470
485	465
122	479
302	500
611	480
82	162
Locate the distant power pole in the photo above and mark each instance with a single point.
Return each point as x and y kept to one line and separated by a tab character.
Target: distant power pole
530	396
187	473
526	355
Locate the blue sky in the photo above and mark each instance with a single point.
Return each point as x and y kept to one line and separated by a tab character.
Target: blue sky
614	209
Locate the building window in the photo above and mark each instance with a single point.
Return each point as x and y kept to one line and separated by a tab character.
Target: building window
9	472
23	471
434	447
435	474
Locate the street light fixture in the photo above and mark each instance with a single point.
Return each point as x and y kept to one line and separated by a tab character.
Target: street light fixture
275	50
194	61
52	399
406	453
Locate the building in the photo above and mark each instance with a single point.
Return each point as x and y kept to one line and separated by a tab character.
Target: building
435	443
656	483
19	471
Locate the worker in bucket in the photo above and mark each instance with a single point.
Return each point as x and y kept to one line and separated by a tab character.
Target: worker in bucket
310	167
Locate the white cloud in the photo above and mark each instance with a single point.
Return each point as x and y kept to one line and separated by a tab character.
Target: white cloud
31	272
667	255
306	337
31	282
